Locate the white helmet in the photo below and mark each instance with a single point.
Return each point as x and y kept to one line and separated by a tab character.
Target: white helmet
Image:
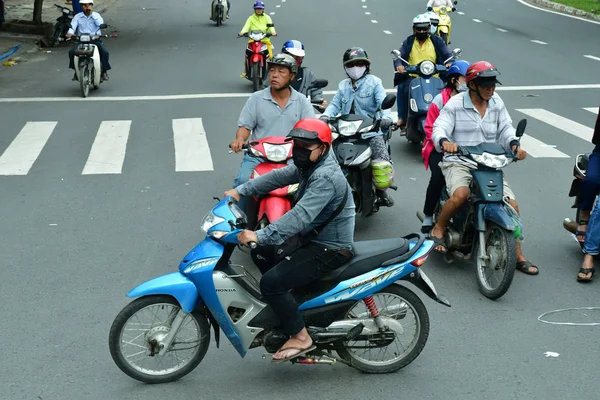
421	20
86	1
433	17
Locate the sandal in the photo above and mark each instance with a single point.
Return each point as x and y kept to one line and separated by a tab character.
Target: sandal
300	352
586	271
438	242
524	266
579	232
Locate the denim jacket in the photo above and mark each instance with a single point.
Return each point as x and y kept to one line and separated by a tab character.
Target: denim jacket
367	97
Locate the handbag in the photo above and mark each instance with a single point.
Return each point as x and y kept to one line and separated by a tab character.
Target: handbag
274	254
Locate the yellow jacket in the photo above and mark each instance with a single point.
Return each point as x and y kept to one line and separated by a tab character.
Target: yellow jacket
259	23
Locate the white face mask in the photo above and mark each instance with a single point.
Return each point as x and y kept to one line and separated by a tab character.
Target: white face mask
462	87
355	72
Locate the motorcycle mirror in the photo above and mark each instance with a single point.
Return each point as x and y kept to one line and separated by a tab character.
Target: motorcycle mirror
521	127
455	2
103	26
395	54
388	102
456	52
319	83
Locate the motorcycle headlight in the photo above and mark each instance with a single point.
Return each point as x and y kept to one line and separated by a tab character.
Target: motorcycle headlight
84	38
348	128
277	152
256	36
210	220
366	129
491	160
427	67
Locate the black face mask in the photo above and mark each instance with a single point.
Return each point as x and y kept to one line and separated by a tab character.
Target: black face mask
422	35
301	157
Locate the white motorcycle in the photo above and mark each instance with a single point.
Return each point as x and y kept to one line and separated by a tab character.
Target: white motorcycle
87	63
219	11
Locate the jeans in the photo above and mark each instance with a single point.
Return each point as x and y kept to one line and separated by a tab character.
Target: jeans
436	183
100	48
590	187
307	264
402	98
249	162
592	237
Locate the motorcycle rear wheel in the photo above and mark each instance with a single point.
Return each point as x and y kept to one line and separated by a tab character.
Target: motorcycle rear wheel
117	341
504	259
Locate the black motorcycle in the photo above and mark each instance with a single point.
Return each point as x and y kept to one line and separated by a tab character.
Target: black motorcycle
579	173
63	24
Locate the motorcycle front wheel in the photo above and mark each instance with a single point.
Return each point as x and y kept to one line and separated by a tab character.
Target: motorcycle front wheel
496	272
138	330
84	79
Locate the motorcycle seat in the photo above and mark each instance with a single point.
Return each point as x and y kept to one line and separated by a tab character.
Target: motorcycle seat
368	255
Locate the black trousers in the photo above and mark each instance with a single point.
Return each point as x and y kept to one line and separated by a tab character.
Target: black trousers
305	265
436	183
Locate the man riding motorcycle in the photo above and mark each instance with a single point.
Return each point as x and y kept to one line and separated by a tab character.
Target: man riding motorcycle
363	93
462	123
305	76
270	112
418	47
259	21
440	3
323	189
88	22
431	158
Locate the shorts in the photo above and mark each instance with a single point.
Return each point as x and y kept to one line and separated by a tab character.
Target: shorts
459	174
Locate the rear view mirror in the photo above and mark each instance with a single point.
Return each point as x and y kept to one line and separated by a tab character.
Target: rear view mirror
103	26
319	83
455	2
395	54
388	102
456	52
521	127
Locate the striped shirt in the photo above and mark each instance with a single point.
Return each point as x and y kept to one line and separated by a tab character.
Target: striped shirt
461	123
86	25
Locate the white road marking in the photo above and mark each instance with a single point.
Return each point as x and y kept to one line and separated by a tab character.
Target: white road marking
108	151
591	109
592	57
20	155
538	41
476	20
374	21
196	96
367	13
558	13
539	149
278	5
272	13
191	147
460	13
501	30
574	128
364	6
387	32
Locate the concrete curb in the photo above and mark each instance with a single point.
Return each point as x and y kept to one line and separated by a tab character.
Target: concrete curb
564	9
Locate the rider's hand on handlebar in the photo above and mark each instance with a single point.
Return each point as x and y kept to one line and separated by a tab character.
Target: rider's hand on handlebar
400	68
246	236
233	193
521	154
450	147
324	103
236	145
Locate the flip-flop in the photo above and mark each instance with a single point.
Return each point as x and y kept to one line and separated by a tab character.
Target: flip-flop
586	271
301	352
438	242
524	266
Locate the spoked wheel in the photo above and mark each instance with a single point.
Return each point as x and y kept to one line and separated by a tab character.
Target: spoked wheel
84	79
495	274
406	319
137	333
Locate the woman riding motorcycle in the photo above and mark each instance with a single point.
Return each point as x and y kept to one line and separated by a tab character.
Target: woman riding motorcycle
304	77
363	93
431	158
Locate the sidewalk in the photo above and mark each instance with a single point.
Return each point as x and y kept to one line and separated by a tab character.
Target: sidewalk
565	9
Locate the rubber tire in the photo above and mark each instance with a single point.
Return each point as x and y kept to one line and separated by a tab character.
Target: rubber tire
511	242
127	312
410	297
577	216
255	77
444	37
84	77
56	35
219	16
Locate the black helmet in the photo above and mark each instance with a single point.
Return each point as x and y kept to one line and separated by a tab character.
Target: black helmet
356	54
285	60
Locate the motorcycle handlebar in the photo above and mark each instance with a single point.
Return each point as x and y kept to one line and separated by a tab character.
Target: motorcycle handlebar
252	245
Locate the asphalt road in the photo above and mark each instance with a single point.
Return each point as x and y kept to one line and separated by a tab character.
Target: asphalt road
73	244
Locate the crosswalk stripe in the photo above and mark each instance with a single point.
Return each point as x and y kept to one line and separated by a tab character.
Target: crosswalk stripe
191	147
20	155
591	109
108	151
538	149
562	123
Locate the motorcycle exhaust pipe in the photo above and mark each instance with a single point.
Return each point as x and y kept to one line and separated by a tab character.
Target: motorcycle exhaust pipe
315	360
570	225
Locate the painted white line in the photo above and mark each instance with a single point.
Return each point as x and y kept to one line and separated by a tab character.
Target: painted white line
272	13
501	30
539	149
387	32
591	109
592	57
108	151
283	1
363	1
364	6
558	13
20	155
197	96
278	5
460	13
374	21
367	13
538	42
562	123
476	20
191	147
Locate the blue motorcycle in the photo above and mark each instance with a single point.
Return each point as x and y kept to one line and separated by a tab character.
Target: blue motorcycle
359	311
421	92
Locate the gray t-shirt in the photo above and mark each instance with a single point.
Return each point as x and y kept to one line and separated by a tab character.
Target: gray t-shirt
263	116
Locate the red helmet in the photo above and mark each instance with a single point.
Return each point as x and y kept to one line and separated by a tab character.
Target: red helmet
311	130
482	69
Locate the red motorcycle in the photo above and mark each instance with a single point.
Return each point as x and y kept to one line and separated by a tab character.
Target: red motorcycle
257	54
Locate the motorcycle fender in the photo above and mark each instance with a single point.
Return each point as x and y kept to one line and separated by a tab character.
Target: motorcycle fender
575	188
97	67
443	29
422	281
175	284
274	207
256	58
496	213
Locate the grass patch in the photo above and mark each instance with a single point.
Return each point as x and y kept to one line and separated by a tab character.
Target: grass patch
592	6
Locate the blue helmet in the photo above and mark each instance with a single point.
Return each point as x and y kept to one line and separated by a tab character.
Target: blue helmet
294	48
459	67
259	4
